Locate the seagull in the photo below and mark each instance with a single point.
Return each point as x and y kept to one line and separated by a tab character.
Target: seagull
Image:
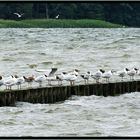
20	80
9	77
40	79
19	15
131	73
11	82
107	75
57	16
97	75
86	76
121	73
29	80
61	77
69	77
48	72
5	79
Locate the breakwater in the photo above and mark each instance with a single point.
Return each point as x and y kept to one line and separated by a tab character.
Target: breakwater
61	93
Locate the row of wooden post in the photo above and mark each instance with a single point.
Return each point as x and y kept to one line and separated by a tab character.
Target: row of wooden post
62	93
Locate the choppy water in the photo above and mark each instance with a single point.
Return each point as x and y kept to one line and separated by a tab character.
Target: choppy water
24	50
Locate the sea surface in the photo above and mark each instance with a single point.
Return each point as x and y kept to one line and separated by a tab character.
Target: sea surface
22	51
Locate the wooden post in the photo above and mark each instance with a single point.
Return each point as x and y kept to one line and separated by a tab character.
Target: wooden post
105	90
99	89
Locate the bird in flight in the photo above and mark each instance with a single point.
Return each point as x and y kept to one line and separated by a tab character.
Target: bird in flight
19	15
57	16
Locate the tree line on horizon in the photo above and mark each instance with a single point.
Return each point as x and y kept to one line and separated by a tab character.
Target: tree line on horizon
121	13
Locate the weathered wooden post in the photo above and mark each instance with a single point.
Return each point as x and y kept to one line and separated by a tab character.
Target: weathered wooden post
138	85
105	89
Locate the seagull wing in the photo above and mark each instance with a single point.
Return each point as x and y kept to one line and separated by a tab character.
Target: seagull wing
52	71
17	14
43	70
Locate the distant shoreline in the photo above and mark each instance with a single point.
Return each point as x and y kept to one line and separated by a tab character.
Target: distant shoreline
57	23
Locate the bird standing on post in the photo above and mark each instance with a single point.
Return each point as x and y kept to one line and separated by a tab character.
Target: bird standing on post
86	77
97	75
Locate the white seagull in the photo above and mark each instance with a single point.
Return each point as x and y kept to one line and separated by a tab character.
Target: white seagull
69	77
57	16
40	79
20	80
86	76
19	15
107	75
48	72
131	73
11	82
121	73
97	75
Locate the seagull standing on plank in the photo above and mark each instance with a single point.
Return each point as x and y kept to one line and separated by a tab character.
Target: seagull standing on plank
40	79
69	77
86	76
131	73
11	82
29	80
20	80
97	75
121	73
107	75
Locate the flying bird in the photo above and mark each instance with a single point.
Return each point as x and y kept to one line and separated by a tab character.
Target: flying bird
19	15
57	16
48	72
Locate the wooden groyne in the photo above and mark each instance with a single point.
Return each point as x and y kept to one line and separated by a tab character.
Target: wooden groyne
61	93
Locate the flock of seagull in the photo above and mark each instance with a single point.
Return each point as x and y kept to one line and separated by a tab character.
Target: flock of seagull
70	76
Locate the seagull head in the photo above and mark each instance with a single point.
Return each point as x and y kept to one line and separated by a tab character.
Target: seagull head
77	70
113	71
24	77
16	76
102	71
127	69
88	72
136	69
64	73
